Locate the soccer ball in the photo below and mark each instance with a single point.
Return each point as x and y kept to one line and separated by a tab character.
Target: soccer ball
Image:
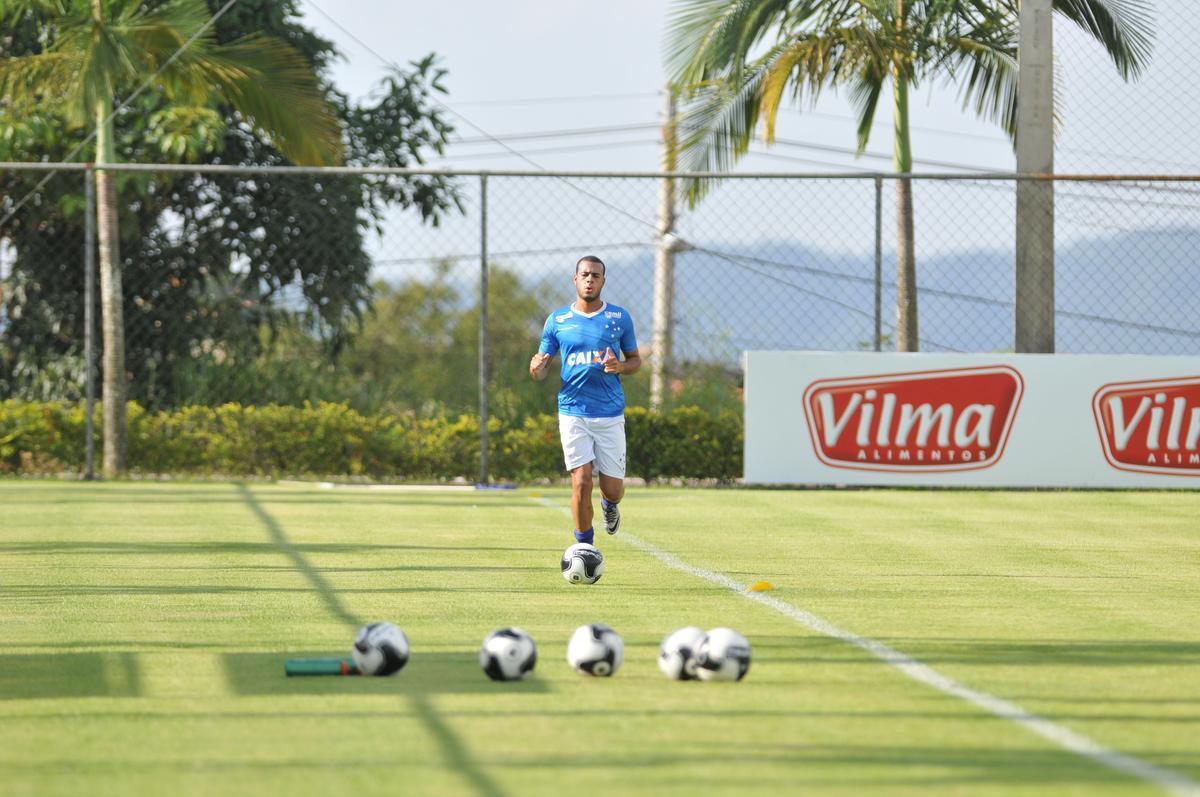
723	655
380	649
677	656
582	564
595	650
507	654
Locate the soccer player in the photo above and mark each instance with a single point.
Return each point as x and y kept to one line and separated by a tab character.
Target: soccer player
591	335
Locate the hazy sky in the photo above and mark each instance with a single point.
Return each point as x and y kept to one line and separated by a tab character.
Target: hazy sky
532	49
607	55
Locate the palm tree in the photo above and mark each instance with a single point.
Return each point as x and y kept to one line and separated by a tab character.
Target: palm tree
734	61
98	51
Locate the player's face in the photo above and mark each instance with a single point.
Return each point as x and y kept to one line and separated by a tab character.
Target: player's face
589	279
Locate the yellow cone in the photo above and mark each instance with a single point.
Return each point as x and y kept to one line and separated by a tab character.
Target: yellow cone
760	586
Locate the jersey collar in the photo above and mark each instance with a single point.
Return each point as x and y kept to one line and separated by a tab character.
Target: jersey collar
603	307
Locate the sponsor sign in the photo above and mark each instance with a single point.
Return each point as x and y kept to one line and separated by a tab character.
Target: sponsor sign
972	420
1151	427
926	421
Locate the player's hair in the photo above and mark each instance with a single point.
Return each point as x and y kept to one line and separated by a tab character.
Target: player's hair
591	259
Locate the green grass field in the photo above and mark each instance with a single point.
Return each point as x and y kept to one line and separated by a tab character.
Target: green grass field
145	627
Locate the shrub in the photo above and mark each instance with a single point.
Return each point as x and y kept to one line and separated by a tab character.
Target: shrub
334	440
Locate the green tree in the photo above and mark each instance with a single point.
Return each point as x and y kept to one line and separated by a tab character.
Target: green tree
738	61
96	51
418	347
210	262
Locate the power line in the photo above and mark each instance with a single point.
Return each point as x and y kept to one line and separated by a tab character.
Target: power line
966	297
923	128
624	128
590	131
568	99
734	260
577	131
485	133
1002	140
639	142
556	250
874	155
547	150
121	107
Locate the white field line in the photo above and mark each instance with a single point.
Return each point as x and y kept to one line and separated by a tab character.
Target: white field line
398	488
1172	782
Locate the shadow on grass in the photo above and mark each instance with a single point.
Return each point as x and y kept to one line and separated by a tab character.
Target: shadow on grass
426	674
34	676
429	673
208	546
1025	652
227	494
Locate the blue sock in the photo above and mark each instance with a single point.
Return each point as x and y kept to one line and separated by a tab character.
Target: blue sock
605	503
584	536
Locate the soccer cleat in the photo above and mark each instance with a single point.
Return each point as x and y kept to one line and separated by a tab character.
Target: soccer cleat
612	517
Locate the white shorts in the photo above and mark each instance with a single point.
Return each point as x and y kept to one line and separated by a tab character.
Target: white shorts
594	439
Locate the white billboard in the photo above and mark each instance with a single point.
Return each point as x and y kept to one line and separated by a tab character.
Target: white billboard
998	420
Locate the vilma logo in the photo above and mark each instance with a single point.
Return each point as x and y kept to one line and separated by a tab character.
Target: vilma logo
948	420
1150	426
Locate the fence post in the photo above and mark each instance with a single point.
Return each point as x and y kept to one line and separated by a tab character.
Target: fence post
483	342
878	263
89	321
1033	300
664	261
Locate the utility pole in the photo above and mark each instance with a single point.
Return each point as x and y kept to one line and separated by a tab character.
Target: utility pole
664	260
1033	313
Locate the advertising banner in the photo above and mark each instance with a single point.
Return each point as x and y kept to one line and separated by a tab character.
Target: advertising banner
998	420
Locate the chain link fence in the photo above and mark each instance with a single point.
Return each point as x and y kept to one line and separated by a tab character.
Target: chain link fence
1115	126
235	293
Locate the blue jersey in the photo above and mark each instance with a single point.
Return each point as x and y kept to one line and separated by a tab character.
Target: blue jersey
582	339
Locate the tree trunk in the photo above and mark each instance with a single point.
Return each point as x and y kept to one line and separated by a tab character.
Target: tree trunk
906	259
664	264
112	316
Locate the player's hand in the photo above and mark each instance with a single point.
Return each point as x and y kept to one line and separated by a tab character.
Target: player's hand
538	363
610	362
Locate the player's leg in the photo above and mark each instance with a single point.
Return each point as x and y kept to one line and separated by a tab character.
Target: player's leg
578	453
581	502
609	435
612	490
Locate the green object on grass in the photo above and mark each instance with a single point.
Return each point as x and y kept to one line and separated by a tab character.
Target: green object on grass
331	666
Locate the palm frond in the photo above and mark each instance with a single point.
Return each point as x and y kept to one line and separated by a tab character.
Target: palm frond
716	127
991	81
706	38
52	9
864	95
107	59
28	81
270	83
1125	28
815	62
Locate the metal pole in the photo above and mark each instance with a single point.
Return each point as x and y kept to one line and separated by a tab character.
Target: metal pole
89	321
664	261
483	322
1033	300
878	264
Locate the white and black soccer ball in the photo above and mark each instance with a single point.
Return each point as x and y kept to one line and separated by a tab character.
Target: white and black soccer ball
596	650
582	564
508	654
380	649
677	655
723	655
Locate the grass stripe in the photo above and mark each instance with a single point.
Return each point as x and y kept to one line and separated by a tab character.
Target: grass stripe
1171	781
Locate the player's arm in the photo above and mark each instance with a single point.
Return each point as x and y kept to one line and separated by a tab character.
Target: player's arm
539	365
630	365
540	362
